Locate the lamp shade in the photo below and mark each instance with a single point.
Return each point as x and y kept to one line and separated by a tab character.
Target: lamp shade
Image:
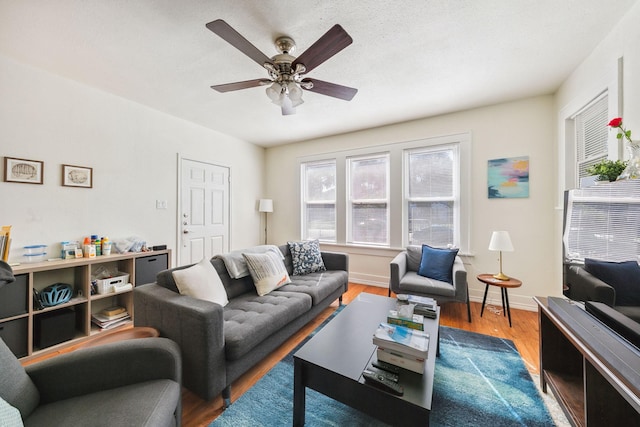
266	205
500	241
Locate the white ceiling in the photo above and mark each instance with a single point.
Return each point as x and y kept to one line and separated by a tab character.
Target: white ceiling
409	59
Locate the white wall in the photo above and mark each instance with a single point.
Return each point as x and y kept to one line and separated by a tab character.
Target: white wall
133	151
598	72
521	128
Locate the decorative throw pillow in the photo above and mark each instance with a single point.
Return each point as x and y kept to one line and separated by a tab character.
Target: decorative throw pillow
267	271
437	263
9	416
624	277
201	281
306	257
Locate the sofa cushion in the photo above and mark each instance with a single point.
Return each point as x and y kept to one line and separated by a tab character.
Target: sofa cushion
437	263
142	404
201	281
306	257
267	271
411	282
16	386
317	285
236	263
249	319
624	277
414	255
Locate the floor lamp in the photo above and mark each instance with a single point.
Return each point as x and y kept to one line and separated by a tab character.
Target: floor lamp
500	241
266	206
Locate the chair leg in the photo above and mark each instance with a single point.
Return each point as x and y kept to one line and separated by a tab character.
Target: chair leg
226	397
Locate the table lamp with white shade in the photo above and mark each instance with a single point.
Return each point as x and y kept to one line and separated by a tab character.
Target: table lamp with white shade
500	241
266	206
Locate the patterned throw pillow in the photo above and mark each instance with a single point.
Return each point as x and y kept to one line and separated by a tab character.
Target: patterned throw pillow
306	257
267	271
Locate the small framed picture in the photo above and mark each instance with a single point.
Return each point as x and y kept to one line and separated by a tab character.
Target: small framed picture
22	170
77	176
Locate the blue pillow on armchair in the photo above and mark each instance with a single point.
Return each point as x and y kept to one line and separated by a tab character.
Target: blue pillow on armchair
437	263
624	277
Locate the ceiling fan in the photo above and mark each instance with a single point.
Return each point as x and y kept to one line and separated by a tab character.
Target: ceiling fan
285	71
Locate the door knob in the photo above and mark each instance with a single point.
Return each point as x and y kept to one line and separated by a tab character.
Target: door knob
185	231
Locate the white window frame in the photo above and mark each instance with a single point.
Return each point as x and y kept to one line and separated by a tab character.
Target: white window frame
305	202
351	201
455	196
398	232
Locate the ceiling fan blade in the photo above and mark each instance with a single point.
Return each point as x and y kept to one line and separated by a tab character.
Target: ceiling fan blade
331	89
332	42
224	30
228	87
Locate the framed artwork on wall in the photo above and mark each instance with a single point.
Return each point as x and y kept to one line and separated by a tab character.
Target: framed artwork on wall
77	176
508	178
23	170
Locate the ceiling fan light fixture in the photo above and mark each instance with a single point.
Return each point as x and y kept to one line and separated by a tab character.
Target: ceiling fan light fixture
274	92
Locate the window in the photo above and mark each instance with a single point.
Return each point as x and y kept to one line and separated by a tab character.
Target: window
603	222
591	133
431	196
368	195
390	195
319	200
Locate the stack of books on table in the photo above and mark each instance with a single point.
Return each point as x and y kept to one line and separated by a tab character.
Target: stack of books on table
111	317
422	305
402	346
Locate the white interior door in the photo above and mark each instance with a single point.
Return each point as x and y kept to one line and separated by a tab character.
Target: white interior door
204	211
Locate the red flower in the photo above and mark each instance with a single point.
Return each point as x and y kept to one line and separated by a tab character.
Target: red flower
614	123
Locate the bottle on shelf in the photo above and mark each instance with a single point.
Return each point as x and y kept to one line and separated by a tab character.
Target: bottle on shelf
88	248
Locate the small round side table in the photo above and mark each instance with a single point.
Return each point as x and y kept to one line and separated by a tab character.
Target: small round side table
488	279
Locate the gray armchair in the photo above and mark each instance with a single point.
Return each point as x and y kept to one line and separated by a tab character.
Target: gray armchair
404	279
126	383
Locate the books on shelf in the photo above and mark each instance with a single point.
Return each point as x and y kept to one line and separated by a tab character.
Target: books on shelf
405	361
402	339
416	321
106	321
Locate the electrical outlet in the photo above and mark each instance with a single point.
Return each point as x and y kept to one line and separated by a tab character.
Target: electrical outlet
161	204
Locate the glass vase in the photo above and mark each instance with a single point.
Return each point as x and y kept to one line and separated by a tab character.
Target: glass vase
632	171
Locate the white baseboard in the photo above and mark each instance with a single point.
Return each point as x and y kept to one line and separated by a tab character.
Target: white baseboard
520	302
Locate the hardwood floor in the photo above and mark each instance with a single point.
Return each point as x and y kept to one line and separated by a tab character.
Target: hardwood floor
524	334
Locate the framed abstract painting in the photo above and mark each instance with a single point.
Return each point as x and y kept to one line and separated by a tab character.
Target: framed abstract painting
508	178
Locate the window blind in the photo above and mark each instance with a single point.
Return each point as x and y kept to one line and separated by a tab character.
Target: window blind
603	222
591	135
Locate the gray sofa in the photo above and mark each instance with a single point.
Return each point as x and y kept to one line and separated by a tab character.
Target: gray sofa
126	383
218	343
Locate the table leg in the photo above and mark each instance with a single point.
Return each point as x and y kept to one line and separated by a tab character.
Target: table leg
506	297
502	292
484	300
298	394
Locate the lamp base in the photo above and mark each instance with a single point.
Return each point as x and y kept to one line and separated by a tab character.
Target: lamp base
501	276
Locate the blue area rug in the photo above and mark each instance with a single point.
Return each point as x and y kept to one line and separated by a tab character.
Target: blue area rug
479	381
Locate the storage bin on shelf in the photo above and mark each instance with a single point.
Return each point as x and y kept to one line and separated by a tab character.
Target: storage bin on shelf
106	286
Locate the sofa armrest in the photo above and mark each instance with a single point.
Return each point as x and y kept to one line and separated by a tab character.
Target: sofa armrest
105	367
583	286
198	328
460	283
335	260
398	268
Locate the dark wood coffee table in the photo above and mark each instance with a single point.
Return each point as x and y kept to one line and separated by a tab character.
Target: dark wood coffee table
333	360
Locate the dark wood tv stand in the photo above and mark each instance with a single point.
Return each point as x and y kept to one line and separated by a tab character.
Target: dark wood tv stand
593	373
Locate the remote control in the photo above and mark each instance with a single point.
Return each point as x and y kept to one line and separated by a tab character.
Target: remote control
388	375
379	381
386	366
